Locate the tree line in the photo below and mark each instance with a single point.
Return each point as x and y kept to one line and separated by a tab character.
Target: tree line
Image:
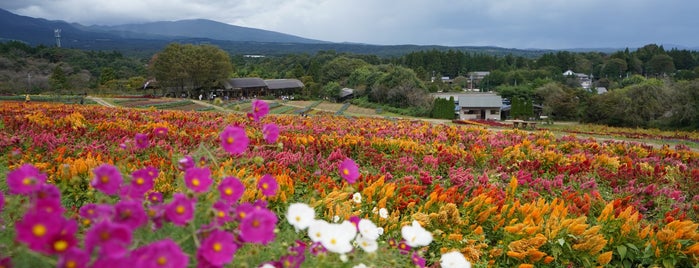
665	78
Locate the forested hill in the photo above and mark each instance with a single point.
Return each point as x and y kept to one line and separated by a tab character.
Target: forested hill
146	39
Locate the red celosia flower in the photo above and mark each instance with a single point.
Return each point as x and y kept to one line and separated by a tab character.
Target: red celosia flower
231	189
107	179
25	179
181	210
198	179
349	170
218	248
270	132
258	226
234	140
268	185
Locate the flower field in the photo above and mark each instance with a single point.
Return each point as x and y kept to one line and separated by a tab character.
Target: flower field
90	186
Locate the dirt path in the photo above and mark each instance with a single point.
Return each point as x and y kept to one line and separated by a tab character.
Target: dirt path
100	101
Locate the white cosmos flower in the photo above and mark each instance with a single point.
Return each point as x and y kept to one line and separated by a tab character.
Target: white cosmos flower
300	215
338	237
415	235
383	213
379	230
454	259
315	230
361	265
368	229
368	245
336	218
357	198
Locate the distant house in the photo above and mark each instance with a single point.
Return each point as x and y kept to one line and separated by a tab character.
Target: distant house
345	94
584	79
475	105
475	78
283	87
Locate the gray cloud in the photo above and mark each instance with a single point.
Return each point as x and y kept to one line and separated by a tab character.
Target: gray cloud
506	23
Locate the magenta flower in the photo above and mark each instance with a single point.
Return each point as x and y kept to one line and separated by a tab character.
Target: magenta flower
180	211
268	185
107	179
198	179
142	180
73	258
155	197
403	247
349	170
418	260
234	140
25	179
270	132
141	141
130	213
185	162
163	253
218	248
258	226
243	210
222	211
112	238
259	109
48	206
42	232
231	189
160	132
96	212
157	214
47	191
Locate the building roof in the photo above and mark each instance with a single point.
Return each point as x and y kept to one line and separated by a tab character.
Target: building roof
473	100
346	92
247	82
283	83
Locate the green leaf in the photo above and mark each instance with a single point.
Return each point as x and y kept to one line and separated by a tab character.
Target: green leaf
622	251
632	246
668	263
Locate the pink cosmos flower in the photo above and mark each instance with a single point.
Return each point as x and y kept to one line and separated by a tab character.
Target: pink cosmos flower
160	132
24	180
218	248
40	232
268	185
73	258
96	213
48	206
418	260
185	162
47	191
198	179
222	211
141	141
259	109
142	180
180	211
231	189
243	210
349	170
111	238
155	197
130	213
163	253
107	179
258	226
157	214
234	140
270	132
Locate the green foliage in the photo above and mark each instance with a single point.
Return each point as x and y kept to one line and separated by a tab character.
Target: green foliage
188	67
443	108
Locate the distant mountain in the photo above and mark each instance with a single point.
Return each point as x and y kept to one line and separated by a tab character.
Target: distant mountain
201	28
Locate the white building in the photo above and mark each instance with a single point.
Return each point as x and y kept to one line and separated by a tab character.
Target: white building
474	105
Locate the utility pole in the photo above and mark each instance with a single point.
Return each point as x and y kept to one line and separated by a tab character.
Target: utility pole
57	34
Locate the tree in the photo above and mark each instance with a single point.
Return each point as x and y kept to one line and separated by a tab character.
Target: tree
614	67
189	67
58	79
660	64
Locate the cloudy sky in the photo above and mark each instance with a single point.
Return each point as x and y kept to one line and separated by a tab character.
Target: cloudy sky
553	24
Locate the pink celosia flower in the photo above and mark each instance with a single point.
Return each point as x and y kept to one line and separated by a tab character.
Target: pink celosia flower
25	179
270	132
180	211
141	141
349	170
258	226
163	253
231	189
268	185
218	248
234	140
198	179
111	238
73	258
259	109
107	179
130	213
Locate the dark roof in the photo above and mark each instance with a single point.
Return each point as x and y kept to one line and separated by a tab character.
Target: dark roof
246	82
346	92
283	83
